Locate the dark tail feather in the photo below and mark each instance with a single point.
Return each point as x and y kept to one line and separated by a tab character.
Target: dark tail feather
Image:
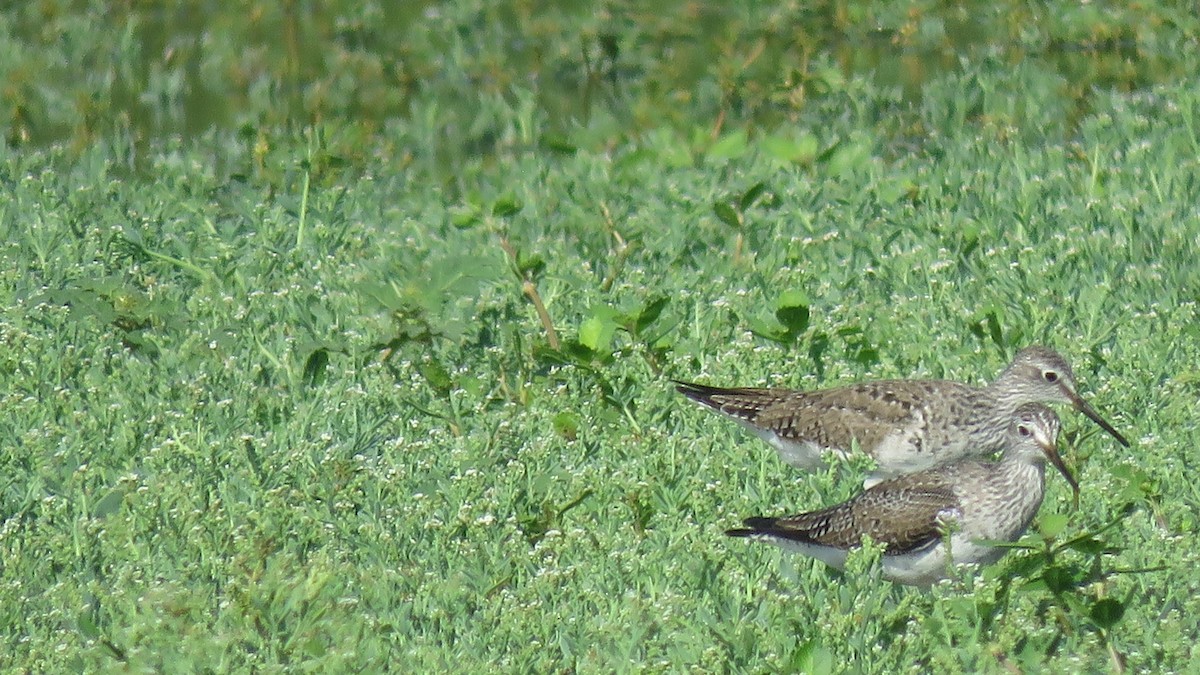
699	393
754	526
743	403
736	401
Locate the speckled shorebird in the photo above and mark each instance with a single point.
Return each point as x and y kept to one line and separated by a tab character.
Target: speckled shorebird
905	425
975	501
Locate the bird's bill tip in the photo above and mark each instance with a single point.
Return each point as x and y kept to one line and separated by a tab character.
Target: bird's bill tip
1057	460
1090	412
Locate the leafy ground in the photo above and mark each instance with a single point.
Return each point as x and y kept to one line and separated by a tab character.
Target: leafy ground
295	398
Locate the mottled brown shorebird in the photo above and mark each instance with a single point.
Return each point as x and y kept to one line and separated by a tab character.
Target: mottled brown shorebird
973	501
905	425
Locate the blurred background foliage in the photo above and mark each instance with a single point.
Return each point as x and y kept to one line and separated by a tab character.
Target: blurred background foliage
467	83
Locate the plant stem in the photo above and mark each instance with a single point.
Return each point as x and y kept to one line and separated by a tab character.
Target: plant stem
531	291
551	334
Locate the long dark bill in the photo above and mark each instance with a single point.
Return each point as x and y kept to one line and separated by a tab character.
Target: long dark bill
1083	407
1056	459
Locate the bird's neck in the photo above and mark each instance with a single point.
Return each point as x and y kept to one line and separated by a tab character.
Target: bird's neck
1017	467
1003	398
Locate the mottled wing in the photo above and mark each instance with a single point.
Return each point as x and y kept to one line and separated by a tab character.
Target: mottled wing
903	517
832	418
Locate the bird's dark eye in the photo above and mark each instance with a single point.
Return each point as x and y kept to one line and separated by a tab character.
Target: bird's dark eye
1024	430
1050	376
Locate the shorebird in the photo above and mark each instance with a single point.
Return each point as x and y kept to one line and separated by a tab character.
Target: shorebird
969	503
905	425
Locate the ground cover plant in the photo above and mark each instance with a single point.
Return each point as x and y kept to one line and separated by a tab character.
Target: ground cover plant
388	388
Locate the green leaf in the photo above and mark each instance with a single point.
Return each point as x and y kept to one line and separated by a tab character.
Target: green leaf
811	657
1107	612
1137	486
817	346
988	324
730	146
766	330
559	143
860	351
791	309
634	160
573	352
1025	566
827	153
87	627
464	217
781	148
84	304
436	376
315	366
590	333
109	503
968	233
751	195
650	313
1051	525
597	332
850	156
506	206
314	648
1060	579
1088	544
566	425
727	215
531	266
893	191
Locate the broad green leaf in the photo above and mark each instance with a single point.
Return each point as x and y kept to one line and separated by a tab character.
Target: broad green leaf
791	309
315	365
566	425
109	503
506	206
597	331
787	150
87	627
437	376
1051	525
729	146
768	330
727	214
1107	612
464	217
751	195
1089	545
530	266
650	313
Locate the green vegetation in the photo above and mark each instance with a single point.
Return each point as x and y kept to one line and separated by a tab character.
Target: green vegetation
341	341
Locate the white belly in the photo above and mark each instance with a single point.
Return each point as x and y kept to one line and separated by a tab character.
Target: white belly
896	454
921	568
929	567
